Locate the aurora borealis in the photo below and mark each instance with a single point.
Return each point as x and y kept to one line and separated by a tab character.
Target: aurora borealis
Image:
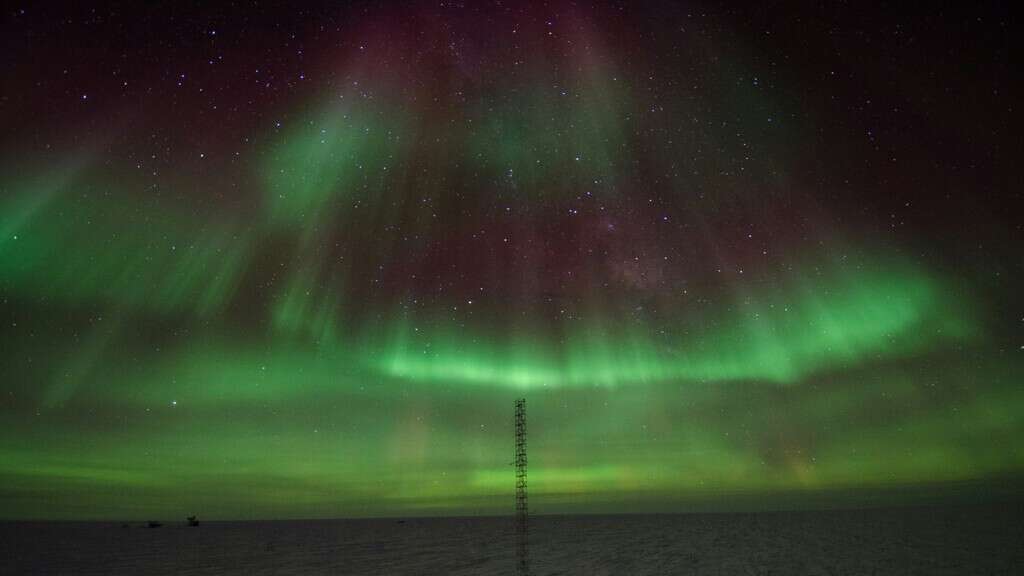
279	263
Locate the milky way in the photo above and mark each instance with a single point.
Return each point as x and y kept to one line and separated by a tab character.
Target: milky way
299	263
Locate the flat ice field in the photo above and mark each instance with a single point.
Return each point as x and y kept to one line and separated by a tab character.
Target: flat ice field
981	541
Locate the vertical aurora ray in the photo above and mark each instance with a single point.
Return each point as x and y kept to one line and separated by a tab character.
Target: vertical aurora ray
87	246
550	136
327	161
305	310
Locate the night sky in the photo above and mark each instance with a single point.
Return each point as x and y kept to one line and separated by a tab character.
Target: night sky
266	262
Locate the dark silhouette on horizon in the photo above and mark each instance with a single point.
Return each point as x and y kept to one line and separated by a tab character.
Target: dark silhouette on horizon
519	461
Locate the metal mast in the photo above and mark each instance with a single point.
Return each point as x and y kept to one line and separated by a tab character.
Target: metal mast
520	464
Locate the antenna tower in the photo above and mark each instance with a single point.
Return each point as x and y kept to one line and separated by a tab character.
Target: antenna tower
520	464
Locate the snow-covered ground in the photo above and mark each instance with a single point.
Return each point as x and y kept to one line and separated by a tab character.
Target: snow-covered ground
959	540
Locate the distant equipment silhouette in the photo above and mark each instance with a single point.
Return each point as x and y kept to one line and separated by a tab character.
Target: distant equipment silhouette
521	504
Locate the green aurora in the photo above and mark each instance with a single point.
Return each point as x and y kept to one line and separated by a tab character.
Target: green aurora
343	332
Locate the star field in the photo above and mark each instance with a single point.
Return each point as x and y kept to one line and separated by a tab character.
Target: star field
280	262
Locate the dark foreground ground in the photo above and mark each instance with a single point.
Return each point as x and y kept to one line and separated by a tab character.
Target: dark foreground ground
983	540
